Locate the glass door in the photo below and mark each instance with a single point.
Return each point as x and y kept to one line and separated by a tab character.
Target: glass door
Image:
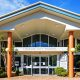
35	65
44	65
27	65
39	65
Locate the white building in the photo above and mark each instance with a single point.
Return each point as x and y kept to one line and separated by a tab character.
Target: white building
40	35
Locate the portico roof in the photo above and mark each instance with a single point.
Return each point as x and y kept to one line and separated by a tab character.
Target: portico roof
40	6
38	18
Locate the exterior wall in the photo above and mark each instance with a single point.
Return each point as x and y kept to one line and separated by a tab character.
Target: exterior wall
63	60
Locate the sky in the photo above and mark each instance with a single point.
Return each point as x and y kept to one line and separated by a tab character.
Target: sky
7	6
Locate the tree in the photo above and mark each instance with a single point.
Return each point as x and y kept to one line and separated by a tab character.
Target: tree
3	51
1	38
77	48
77	59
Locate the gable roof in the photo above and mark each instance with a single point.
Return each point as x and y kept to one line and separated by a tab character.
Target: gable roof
43	5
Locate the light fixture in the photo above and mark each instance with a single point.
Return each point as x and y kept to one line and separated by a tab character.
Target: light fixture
7	49
72	49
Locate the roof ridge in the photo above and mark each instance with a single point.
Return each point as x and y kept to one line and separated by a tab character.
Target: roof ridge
34	4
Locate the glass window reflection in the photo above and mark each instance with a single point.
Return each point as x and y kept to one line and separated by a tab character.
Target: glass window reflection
52	42
40	40
35	41
53	60
27	42
44	41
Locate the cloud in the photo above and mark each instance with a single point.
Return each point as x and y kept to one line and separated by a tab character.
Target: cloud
7	6
21	3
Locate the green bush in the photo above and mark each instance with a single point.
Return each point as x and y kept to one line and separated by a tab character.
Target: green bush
64	74
2	73
77	48
60	71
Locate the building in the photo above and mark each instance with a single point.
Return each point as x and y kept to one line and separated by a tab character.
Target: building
41	34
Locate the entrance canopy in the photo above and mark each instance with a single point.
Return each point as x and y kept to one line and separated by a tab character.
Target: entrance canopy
39	26
36	26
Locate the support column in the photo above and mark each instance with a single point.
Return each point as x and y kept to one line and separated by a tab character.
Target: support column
22	63
9	55
71	56
58	60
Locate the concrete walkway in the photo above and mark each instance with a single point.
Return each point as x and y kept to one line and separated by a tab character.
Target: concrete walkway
39	78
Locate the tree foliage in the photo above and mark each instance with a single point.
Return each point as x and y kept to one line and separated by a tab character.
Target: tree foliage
77	48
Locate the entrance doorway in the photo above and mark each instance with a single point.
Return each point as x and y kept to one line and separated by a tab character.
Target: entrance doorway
38	64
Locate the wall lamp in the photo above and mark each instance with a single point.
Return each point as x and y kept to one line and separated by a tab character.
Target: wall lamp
72	49
7	49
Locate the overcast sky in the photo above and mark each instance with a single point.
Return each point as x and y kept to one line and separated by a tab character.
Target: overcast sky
7	6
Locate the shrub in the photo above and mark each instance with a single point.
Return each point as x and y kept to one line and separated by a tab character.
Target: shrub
77	48
64	74
2	73
60	71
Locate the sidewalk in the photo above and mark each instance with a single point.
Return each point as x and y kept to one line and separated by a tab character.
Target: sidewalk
39	78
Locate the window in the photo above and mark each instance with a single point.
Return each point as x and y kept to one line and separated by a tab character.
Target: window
51	71
39	40
53	60
66	43
27	71
27	42
35	40
44	41
77	61
18	44
18	61
27	60
52	42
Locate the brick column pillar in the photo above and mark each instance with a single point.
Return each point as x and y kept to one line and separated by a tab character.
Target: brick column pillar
71	56
9	55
